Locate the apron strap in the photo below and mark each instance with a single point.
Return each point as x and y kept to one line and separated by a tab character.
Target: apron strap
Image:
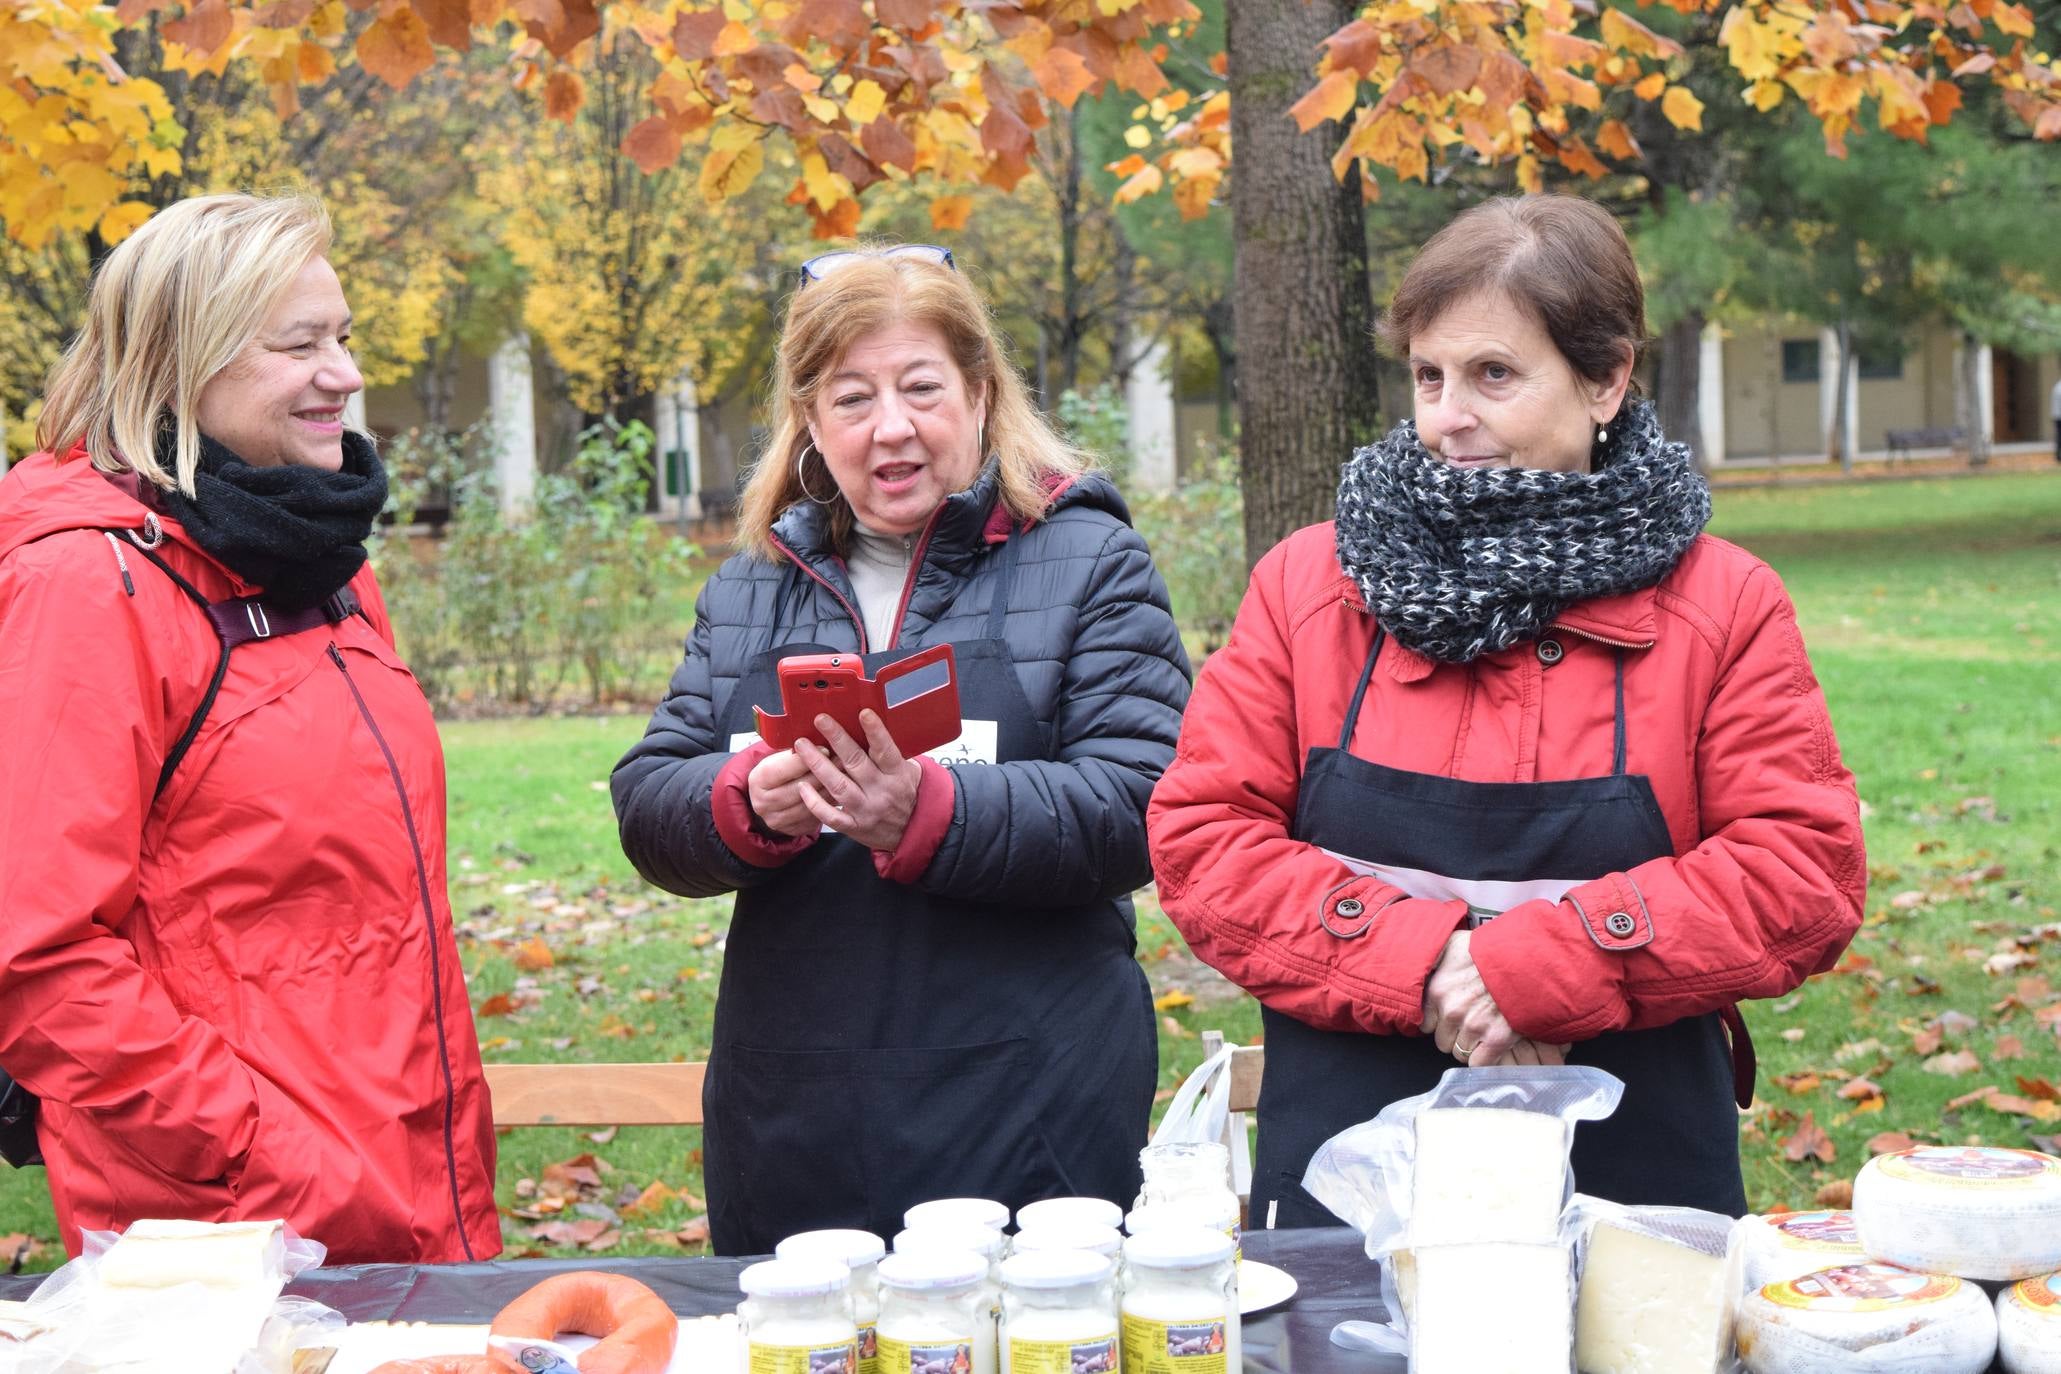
1352	711
1617	749
998	606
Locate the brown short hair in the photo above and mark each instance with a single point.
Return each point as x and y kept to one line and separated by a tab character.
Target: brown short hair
1562	258
825	318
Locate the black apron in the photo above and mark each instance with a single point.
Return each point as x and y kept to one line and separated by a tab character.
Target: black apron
1674	1139
876	1046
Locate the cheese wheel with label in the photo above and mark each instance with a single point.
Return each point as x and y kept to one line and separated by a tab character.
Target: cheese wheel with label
1867	1319
2029	1326
1979	1211
1788	1245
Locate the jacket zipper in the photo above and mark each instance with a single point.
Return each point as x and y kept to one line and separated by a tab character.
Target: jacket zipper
436	975
858	621
915	567
1605	639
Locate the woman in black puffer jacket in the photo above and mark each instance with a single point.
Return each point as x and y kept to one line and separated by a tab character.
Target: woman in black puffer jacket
928	988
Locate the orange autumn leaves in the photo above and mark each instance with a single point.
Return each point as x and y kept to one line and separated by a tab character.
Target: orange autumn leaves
1541	82
834	95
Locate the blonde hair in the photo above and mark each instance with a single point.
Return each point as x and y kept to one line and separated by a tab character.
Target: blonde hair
826	318
173	305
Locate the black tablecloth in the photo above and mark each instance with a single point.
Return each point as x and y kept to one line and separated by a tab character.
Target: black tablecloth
1335	1280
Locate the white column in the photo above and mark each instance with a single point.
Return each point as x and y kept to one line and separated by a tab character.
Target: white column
511	400
1150	399
1710	395
1985	394
1828	393
4	459
679	427
354	410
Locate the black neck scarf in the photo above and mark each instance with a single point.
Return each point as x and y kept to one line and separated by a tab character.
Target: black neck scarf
1459	562
297	532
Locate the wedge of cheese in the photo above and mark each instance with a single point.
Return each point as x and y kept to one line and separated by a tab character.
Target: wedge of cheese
1487	1174
1649	1306
1492	1308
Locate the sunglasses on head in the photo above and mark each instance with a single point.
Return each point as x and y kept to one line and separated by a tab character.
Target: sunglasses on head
828	264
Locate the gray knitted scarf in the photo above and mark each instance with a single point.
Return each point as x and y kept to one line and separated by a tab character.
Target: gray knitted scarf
1460	562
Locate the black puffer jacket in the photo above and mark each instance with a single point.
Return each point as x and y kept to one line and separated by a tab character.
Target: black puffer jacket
1095	648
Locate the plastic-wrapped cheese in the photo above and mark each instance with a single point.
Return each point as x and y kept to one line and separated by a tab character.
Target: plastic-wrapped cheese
2029	1326
1649	1306
1487	1173
1494	1306
1979	1211
1788	1245
1867	1319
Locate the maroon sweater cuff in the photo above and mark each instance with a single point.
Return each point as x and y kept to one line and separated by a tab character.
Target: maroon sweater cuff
738	825
926	829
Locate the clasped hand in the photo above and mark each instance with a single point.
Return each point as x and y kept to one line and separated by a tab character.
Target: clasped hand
867	793
1464	1021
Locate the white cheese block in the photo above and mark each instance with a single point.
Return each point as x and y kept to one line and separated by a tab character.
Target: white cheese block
2029	1326
1485	1174
1649	1306
1492	1309
1788	1245
1978	1211
1872	1318
161	1254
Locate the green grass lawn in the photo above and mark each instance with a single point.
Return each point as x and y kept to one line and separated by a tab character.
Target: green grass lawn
1933	613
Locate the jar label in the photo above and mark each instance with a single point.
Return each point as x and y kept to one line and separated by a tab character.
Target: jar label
1063	1357
1195	1347
929	1357
802	1359
869	1349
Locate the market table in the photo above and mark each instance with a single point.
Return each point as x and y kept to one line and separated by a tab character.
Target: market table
1335	1280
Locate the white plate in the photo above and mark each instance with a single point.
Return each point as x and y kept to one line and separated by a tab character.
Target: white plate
1261	1286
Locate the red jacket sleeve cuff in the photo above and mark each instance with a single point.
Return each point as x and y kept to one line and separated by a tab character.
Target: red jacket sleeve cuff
926	829
1556	969
739	827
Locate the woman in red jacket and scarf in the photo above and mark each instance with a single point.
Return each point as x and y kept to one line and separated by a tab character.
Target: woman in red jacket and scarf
227	968
1511	763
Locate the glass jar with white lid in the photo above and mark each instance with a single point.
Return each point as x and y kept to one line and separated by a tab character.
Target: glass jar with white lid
1105	1241
1069	1211
982	1240
1180	1303
861	1252
934	1313
1059	1313
796	1317
949	1210
1221	1215
1193	1174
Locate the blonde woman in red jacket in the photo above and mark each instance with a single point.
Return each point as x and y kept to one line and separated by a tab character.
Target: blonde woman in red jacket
1511	763
227	968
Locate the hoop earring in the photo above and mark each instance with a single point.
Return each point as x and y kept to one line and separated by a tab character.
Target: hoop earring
801	477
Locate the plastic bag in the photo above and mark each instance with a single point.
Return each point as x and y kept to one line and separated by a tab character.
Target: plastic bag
1200	1113
157	1315
1364	1173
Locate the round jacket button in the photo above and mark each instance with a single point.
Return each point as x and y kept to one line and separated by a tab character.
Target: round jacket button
1350	907
1550	652
1620	924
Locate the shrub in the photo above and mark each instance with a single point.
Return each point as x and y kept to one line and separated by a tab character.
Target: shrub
1197	536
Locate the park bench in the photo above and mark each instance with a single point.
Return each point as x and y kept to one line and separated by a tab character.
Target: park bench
596	1094
1903	442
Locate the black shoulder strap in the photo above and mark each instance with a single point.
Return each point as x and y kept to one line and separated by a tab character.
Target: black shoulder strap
207	701
238	620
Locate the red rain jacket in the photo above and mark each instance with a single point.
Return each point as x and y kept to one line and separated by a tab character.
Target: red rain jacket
244	1000
1723	715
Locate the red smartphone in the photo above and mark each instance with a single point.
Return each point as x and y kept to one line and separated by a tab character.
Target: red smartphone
917	698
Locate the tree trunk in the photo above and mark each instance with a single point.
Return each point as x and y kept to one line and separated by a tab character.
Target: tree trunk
1304	310
1679	384
1069	195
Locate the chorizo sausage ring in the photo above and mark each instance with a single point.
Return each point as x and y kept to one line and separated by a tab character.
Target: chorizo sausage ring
637	1329
440	1364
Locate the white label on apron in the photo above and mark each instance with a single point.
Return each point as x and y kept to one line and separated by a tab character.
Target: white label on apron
1486	898
977	743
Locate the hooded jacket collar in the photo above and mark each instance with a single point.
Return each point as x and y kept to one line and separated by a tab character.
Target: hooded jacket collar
45	494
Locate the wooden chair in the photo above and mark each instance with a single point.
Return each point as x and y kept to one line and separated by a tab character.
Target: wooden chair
596	1094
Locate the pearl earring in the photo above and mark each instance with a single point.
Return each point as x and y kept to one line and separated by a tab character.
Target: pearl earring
1602	435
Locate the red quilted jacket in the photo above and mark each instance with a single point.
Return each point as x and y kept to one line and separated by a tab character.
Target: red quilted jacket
244	1000
1768	874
